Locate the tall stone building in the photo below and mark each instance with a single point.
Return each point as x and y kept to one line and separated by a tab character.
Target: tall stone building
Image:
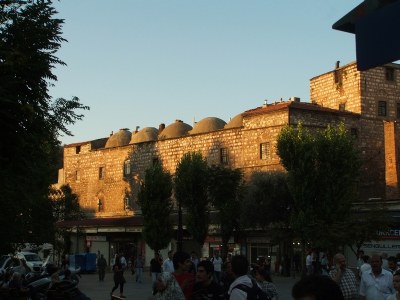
106	173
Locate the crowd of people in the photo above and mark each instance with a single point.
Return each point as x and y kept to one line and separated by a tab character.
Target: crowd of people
377	277
183	276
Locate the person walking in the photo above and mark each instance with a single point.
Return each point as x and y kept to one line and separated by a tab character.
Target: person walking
195	261
265	282
205	287
309	263
101	265
139	264
344	277
119	279
185	279
155	268
168	265
377	283
217	262
237	290
396	286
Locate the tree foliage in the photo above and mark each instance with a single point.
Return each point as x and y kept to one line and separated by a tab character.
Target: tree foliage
65	208
225	191
191	192
322	171
267	201
30	121
367	221
155	201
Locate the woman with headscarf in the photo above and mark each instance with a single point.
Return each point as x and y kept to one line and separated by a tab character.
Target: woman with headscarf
167	288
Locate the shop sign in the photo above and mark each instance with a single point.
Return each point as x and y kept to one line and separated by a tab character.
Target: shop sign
134	229
97	238
381	246
391	234
258	240
218	239
112	229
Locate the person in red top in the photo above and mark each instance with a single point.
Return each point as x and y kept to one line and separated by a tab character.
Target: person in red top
185	279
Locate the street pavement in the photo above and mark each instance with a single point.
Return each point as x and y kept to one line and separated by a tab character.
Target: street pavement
89	284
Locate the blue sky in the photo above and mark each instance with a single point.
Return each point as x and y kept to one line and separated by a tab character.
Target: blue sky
146	62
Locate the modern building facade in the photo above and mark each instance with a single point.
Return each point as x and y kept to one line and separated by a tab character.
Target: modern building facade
106	173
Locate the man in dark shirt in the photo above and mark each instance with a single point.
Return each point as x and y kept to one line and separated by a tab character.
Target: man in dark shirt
155	267
102	264
205	287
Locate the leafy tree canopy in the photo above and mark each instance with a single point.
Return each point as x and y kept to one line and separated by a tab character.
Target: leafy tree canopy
322	171
225	189
155	201
267	200
191	192
30	120
65	208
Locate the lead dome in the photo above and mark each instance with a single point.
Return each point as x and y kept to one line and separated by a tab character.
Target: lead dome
174	130
147	134
120	138
208	124
236	121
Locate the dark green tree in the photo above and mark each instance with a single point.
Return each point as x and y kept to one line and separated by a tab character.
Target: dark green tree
323	168
191	192
154	198
225	193
267	201
30	121
65	208
367	221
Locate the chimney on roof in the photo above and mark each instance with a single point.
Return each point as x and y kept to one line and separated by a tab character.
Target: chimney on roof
337	65
265	102
294	99
137	129
161	127
112	132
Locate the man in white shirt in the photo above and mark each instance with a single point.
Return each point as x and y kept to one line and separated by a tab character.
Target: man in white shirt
217	262
376	284
240	266
309	261
122	260
168	265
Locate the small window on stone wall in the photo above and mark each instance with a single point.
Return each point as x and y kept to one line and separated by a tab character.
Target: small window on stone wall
155	161
389	74
127	168
102	173
265	151
342	107
398	110
77	149
77	175
382	111
354	132
223	156
100	204
338	76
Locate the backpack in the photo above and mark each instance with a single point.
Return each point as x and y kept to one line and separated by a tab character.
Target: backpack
253	293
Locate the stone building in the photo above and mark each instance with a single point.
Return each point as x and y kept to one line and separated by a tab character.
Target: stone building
106	173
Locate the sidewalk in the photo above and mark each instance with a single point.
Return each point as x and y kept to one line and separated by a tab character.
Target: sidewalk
90	285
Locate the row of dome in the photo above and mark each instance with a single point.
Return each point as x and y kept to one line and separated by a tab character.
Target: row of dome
177	129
